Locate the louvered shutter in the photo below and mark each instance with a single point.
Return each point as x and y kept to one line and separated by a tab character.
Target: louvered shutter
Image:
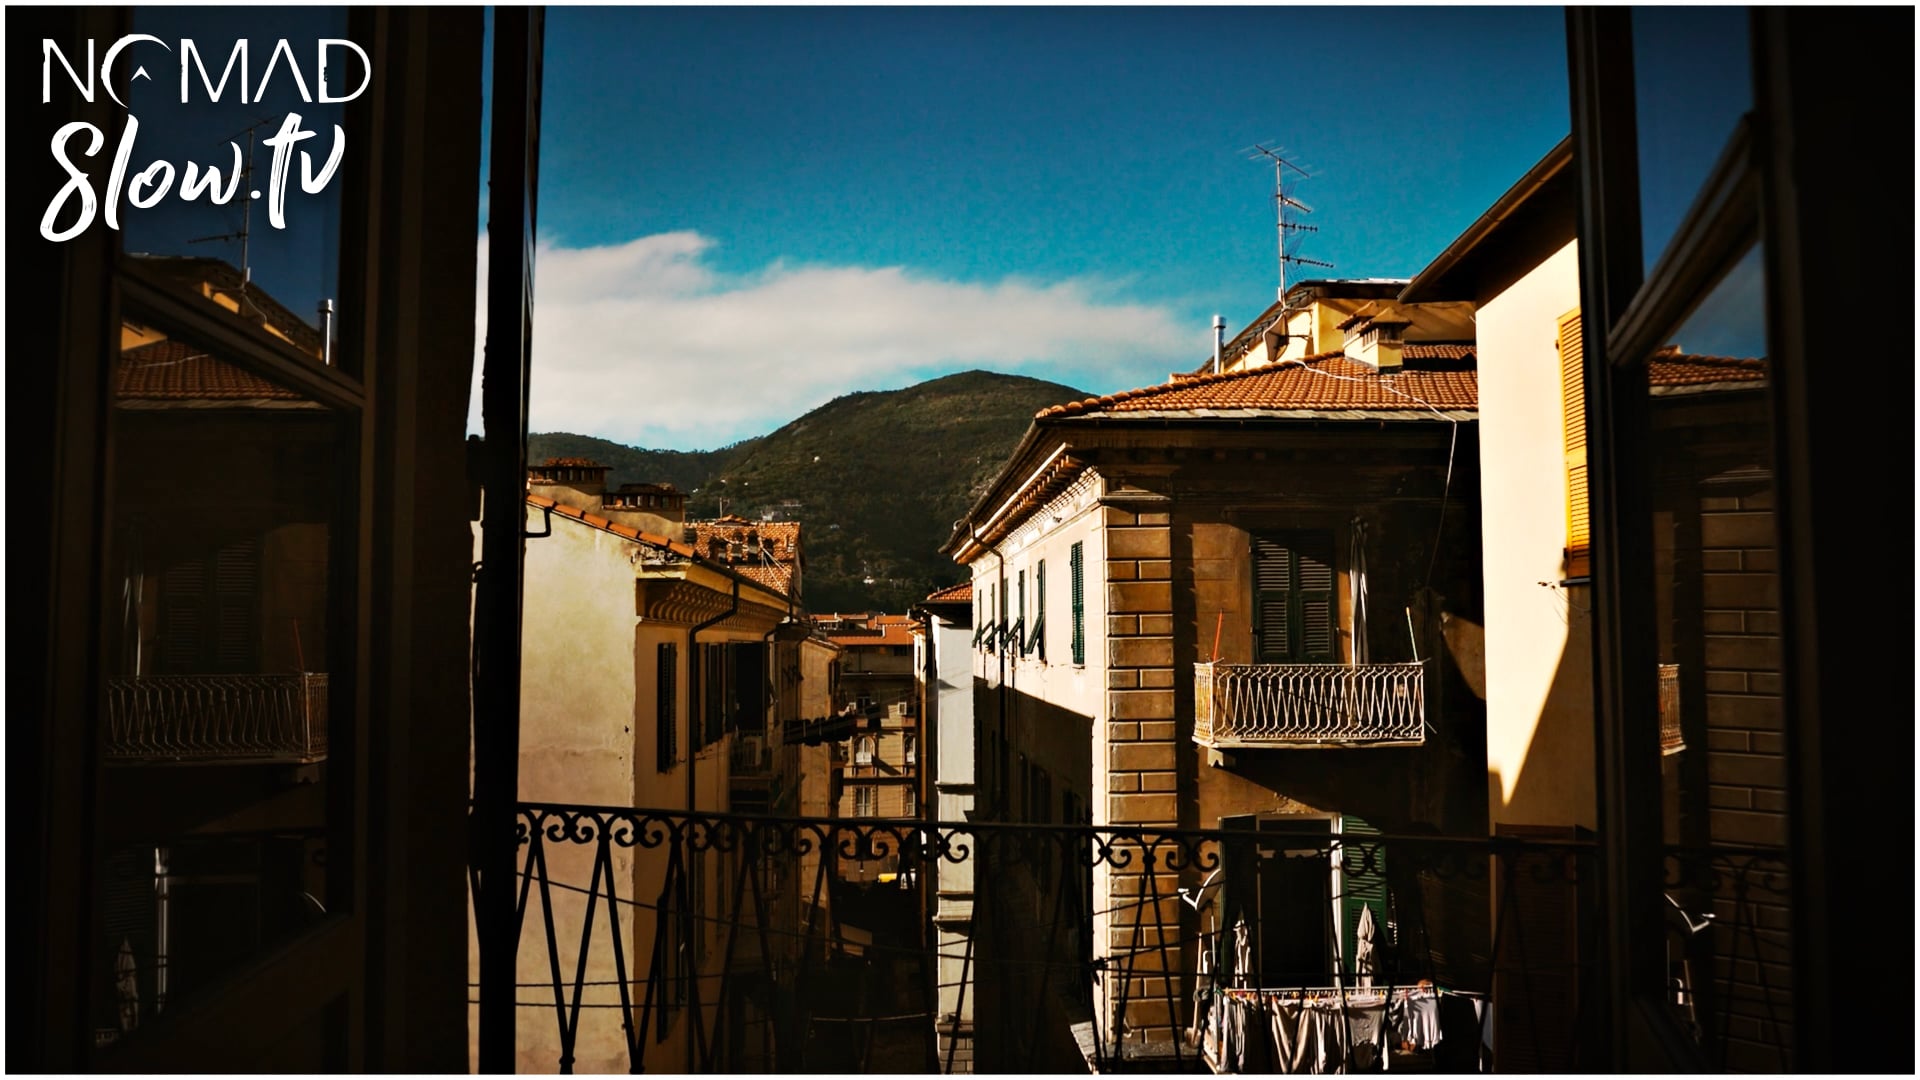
1273	600
1363	883
1314	589
236	590
1573	401
1293	598
183	619
1076	566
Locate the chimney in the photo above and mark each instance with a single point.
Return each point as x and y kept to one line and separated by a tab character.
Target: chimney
1219	341
1376	342
575	482
660	509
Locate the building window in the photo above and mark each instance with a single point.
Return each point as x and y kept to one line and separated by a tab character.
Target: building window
1293	598
866	801
665	706
863	750
1076	568
909	748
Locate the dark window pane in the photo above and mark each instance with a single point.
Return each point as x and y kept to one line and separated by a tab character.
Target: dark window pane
214	825
1692	82
1716	623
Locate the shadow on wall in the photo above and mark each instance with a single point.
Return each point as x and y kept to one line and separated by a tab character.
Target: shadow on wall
1555	784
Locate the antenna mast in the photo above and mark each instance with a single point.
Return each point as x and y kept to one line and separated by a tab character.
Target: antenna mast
1283	202
247	195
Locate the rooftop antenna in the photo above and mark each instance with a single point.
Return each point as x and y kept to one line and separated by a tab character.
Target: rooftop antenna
246	208
1284	202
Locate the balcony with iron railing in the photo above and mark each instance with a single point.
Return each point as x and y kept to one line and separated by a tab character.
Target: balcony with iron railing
595	988
217	719
1309	706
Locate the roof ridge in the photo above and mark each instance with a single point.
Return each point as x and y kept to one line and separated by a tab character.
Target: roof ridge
1074	408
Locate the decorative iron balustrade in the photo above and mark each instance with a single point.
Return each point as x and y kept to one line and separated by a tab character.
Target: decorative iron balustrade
179	719
632	944
1309	705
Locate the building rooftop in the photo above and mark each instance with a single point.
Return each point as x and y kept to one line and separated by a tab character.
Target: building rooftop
1328	383
173	370
952	594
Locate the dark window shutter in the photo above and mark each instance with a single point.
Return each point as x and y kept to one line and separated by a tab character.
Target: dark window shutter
666	724
1076	565
1315	579
1273	600
1293	583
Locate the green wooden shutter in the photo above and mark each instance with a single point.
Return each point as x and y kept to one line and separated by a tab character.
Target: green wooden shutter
1363	879
1076	565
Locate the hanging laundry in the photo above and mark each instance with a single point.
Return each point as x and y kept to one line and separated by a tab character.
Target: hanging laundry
1367	1037
1414	1021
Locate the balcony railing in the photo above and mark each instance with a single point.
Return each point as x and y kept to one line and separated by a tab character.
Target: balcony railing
610	903
211	719
1309	705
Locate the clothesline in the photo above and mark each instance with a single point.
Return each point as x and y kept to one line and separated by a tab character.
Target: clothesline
1251	993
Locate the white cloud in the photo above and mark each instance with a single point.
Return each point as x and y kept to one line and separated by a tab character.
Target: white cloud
645	342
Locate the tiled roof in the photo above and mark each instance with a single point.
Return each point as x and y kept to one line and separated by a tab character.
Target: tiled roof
863	629
176	371
1437	350
953	594
1670	368
617	529
1326	383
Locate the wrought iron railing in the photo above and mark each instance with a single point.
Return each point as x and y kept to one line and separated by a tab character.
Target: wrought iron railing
631	960
1309	705
163	719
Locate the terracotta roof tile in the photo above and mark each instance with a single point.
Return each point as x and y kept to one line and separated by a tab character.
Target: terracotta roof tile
953	594
1671	367
854	631
1328	382
1437	350
176	371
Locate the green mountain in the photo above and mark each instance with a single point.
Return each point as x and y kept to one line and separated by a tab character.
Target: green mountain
876	479
684	469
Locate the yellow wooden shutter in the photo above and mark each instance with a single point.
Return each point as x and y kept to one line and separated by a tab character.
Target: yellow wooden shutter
1573	399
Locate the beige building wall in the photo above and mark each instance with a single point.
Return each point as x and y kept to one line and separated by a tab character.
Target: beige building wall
1538	678
588	736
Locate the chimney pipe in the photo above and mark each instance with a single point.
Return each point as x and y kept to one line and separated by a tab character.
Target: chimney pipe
1219	341
326	331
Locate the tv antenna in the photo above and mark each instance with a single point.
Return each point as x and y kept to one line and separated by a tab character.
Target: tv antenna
1288	230
246	207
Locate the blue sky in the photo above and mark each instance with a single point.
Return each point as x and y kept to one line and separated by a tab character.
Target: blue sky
746	212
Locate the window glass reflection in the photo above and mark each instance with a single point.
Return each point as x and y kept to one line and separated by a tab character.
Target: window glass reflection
278	238
1717	620
1692	82
214	742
